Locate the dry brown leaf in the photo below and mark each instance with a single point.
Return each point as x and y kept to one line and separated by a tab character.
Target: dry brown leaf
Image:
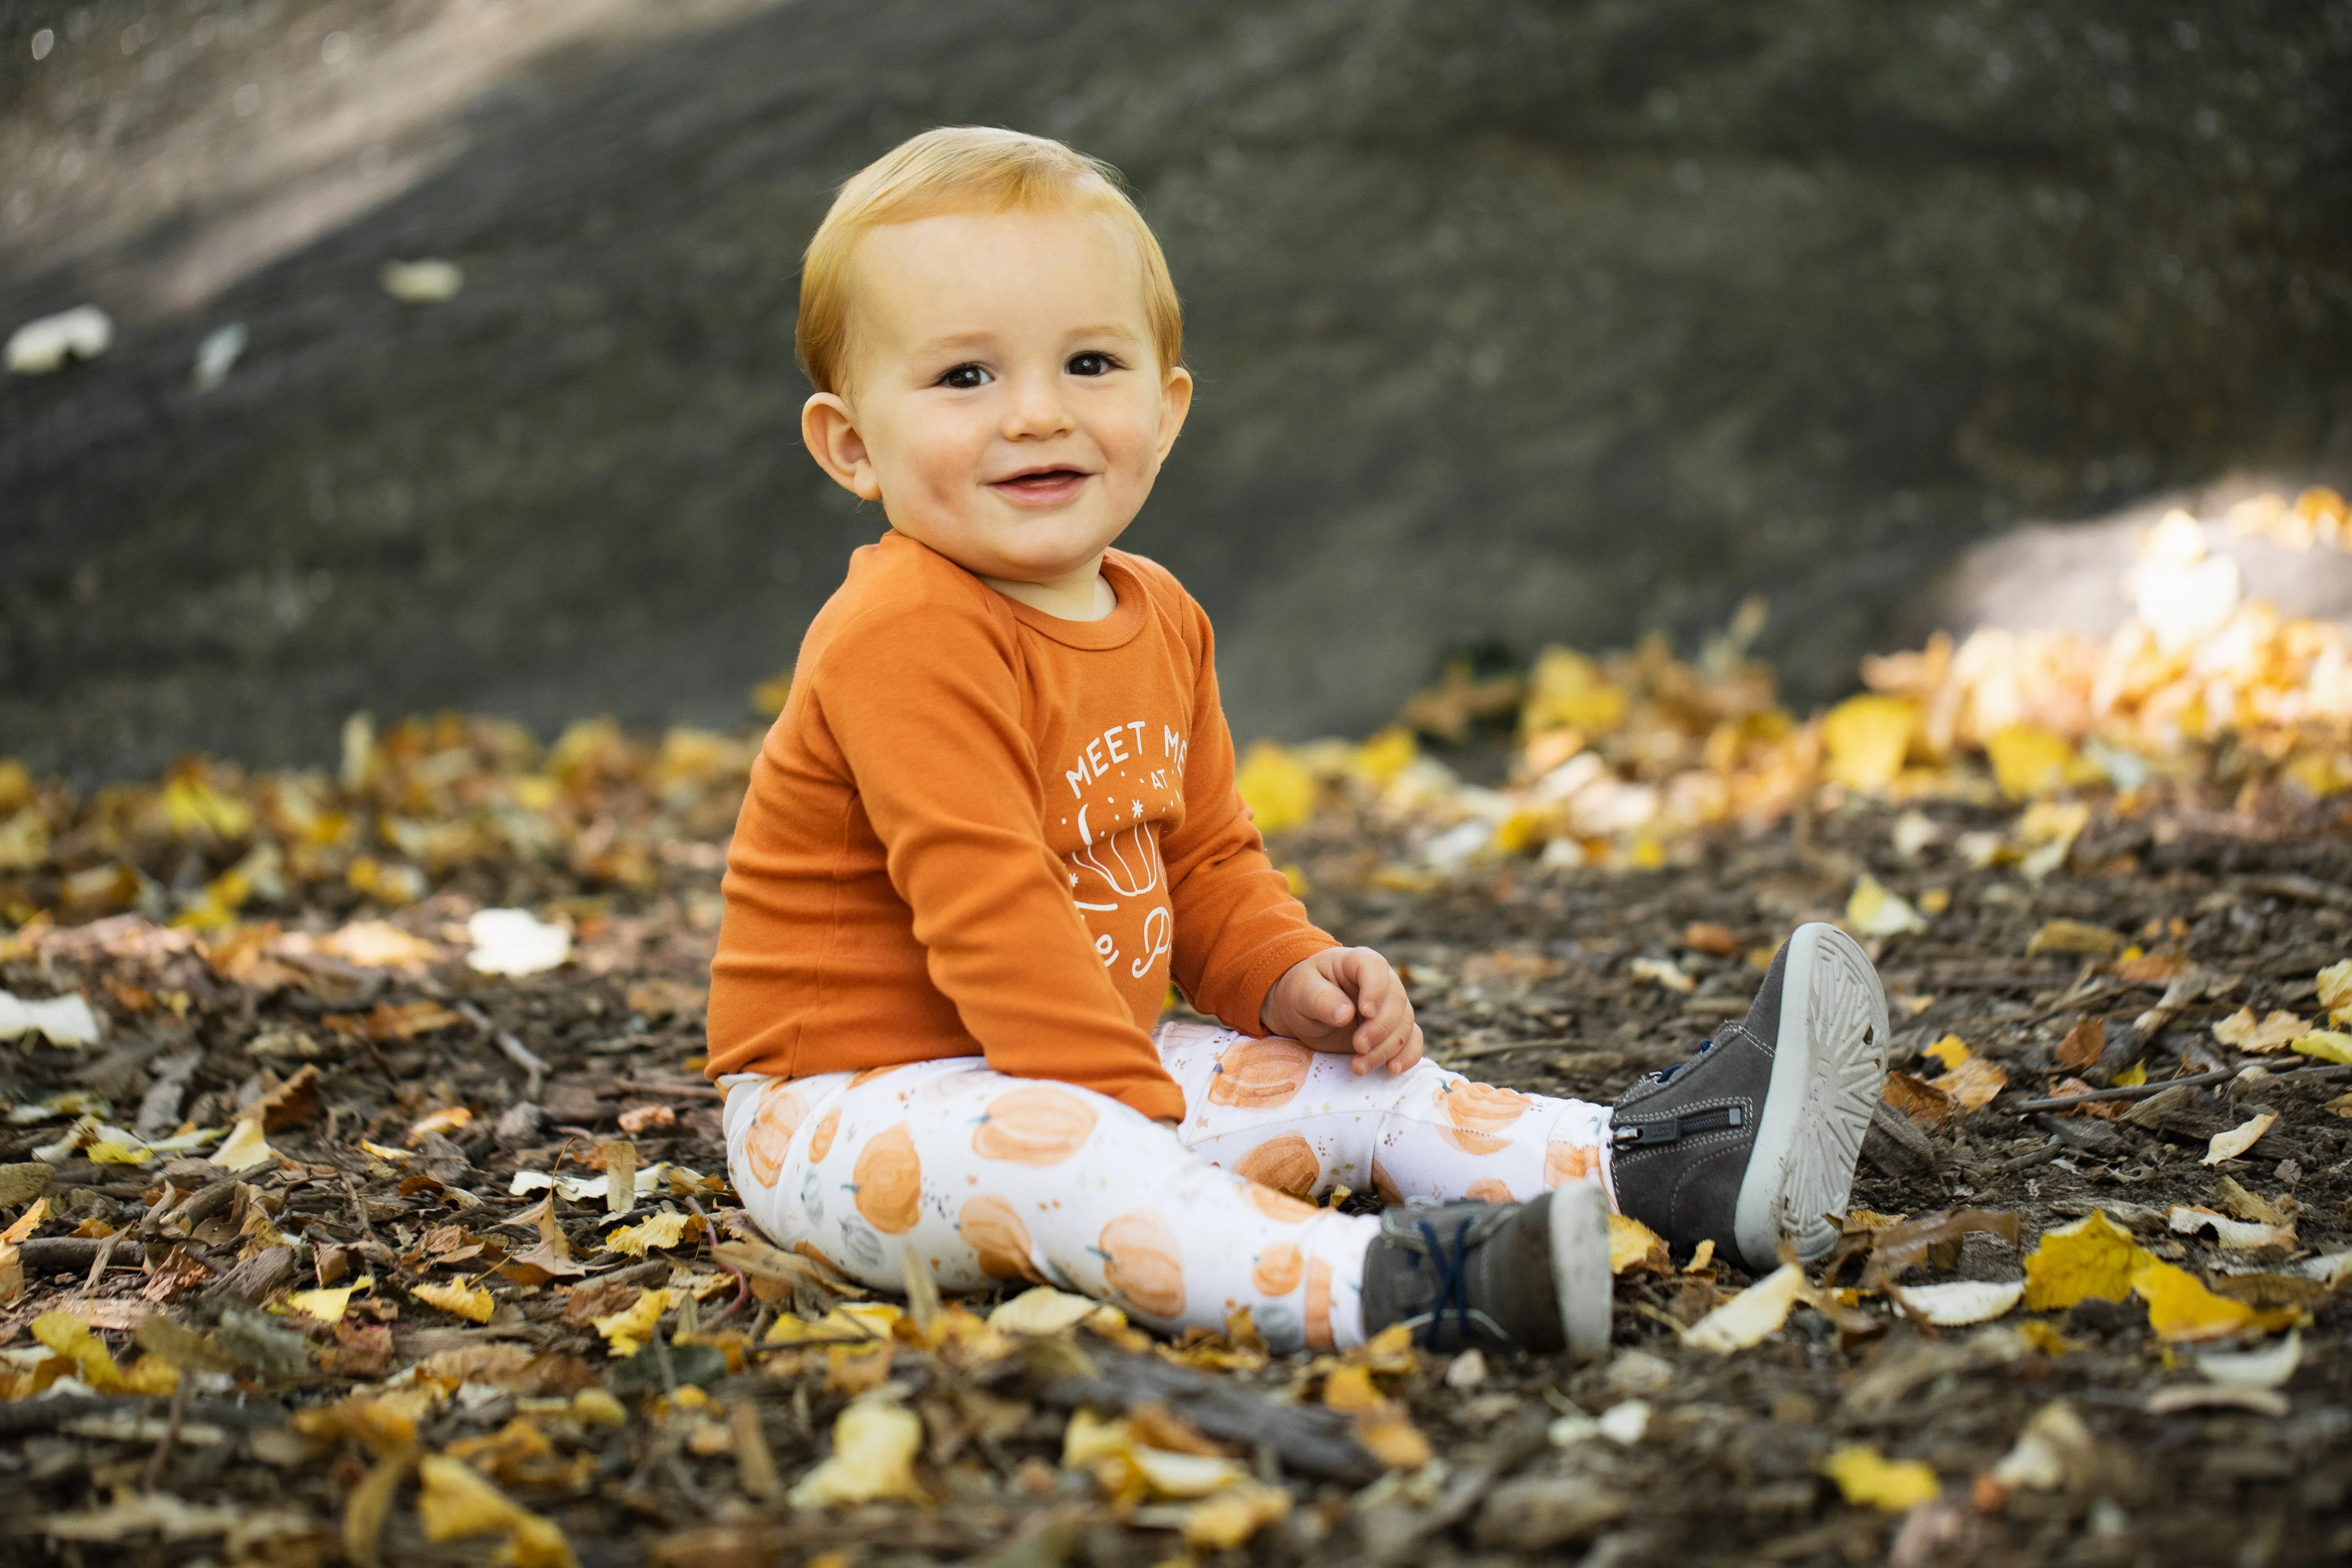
1917	1099
2084	1044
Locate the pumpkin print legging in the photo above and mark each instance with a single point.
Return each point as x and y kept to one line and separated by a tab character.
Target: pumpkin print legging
998	1180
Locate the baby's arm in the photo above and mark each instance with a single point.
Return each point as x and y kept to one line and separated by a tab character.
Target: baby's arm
929	721
1347	999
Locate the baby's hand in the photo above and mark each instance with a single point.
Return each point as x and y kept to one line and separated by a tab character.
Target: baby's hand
1342	1000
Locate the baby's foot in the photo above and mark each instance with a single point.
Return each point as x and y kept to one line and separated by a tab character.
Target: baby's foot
1754	1140
1532	1276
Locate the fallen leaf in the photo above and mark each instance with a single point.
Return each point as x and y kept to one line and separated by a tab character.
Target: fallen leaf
2239	1236
1634	1246
637	1119
1868	1478
455	1501
64	1020
2333	984
666	1229
445	1121
1041	1310
2178	1308
2028	760
2274	1033
328	1306
2063	935
2054	1451
385	1023
2327	1044
2238	1140
1973	1085
2084	1044
1707	937
1662	972
515	943
1932	1238
1918	1100
875	1442
1748	1318
2092	1259
2182	1396
1873	910
627	1331
70	1337
1963	1302
1951	1051
244	1148
457	1298
1866	738
1236	1514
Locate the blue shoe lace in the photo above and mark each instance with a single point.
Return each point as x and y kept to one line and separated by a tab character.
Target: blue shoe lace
1453	1281
1666	1075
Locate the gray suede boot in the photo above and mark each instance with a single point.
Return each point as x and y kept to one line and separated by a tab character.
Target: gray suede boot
1532	1276
1753	1141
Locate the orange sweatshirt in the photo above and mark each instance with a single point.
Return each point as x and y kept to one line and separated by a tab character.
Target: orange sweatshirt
979	829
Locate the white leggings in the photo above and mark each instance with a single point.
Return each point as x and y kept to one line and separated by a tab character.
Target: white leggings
1000	1180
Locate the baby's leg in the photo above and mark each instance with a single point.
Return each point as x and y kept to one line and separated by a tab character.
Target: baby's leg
999	1181
1299	1120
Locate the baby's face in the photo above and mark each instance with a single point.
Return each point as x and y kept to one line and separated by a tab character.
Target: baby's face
1004	403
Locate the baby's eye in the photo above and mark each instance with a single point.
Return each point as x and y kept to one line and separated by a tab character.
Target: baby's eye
964	377
1092	364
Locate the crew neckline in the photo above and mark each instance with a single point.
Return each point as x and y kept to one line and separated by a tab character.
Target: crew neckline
1113	630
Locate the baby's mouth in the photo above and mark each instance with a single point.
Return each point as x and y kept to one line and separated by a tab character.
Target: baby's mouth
1043	485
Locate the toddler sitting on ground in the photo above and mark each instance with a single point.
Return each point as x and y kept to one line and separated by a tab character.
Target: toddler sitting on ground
996	818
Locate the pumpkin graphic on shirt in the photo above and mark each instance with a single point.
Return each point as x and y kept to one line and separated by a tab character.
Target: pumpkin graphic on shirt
1475	1112
889	1179
1255	1075
1277	1206
821	1141
991	1227
1287	1165
1144	1263
780	1114
1566	1162
1488	1190
1035	1126
1318	1305
1280	1270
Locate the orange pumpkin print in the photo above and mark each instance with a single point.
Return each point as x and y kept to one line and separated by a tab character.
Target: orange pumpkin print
1037	1126
1318	1305
1476	1111
821	1141
1287	1165
1277	1206
1257	1074
1384	1185
1568	1163
1146	1264
1279	1268
888	1180
1488	1190
991	1227
782	1111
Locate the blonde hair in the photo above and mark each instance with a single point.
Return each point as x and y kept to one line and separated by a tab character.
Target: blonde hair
965	168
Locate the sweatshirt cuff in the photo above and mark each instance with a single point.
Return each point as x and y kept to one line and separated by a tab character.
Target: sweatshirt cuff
1274	961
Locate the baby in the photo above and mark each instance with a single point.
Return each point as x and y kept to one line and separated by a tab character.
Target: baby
996	818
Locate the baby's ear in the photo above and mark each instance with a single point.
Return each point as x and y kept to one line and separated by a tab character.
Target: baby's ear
829	430
1175	402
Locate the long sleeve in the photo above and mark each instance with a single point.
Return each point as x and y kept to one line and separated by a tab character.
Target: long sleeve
1238	927
930	721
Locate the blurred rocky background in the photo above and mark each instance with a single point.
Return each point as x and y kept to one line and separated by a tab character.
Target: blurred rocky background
1515	323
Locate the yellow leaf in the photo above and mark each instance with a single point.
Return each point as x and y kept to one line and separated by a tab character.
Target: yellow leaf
1866	738
2064	935
2274	1033
875	1442
2178	1308
1040	1309
1974	1084
1873	910
445	1121
1392	1437
2335	984
1566	691
244	1148
665	1229
457	1298
2238	1140
1233	1515
2132	1077
2030	761
1748	1318
2045	1338
1380	760
454	1501
106	1152
69	1336
2327	1044
627	1331
1633	1245
328	1306
1870	1479
1951	1050
2093	1257
1351	1388
396	1156
26	1223
1275	786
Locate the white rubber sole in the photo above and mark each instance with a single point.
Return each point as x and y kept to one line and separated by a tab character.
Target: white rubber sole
1829	1067
1579	1219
